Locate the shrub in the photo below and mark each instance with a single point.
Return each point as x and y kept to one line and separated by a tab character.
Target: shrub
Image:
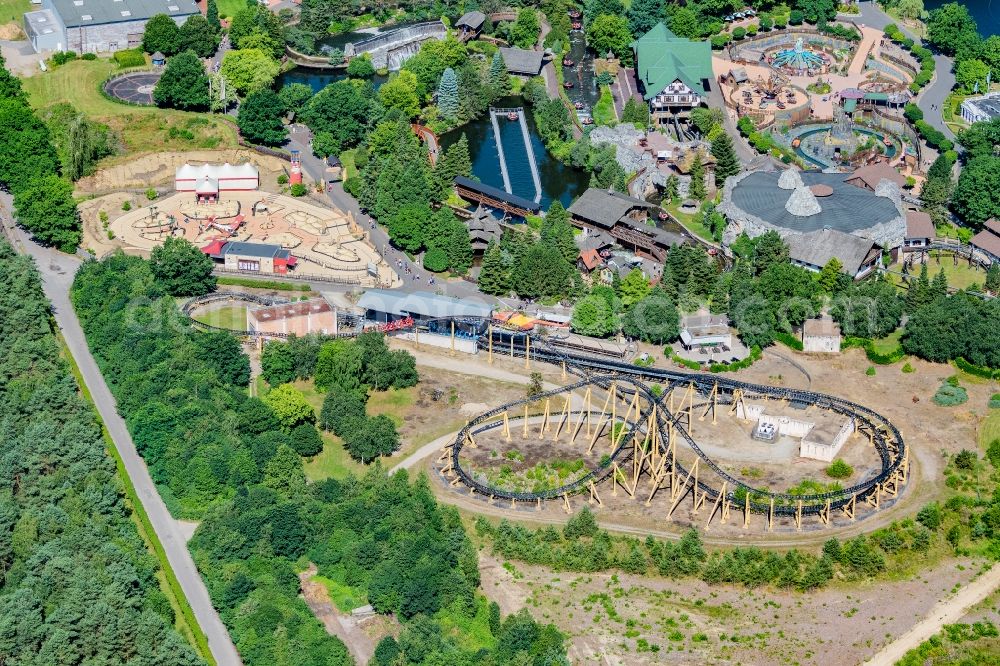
950	396
103	215
838	469
282	179
436	260
931	516
130	58
870	371
151	194
88	56
582	524
62	57
766	22
994	402
907	368
739	33
297	190
127	205
993	453
795	17
966	459
719	41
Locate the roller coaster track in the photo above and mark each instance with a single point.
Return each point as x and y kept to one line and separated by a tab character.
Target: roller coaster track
608	375
603	372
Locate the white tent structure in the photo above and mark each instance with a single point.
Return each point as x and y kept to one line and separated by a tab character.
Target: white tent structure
225	177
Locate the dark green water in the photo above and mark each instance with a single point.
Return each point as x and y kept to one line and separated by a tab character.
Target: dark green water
559	181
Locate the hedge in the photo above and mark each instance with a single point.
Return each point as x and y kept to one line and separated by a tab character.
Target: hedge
922	54
754	356
789	340
978	371
130	58
873	355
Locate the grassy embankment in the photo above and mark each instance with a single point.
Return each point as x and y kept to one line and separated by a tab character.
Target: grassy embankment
142	129
186	623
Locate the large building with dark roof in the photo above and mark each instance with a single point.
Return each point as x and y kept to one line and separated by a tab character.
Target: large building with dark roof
96	26
623	218
796	204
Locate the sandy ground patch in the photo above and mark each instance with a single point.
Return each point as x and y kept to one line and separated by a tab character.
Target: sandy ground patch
617	619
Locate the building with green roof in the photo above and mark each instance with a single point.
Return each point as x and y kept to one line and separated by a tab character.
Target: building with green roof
674	73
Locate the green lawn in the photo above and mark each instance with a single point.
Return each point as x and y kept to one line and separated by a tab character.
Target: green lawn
142	128
888	343
989	429
233	317
959	277
689	221
230	7
604	110
11	10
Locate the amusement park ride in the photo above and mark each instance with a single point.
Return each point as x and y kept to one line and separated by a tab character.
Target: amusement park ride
640	422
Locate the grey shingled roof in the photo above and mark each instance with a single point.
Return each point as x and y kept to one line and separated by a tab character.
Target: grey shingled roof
521	61
604	208
497	193
848	209
472	20
73	12
819	247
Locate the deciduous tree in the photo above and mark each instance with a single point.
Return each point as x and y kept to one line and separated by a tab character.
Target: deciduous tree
249	70
161	34
182	268
183	84
259	118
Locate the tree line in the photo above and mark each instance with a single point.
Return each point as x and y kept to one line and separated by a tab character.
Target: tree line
582	546
79	585
31	170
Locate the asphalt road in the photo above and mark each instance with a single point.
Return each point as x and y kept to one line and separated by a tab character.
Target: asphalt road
57	271
933	96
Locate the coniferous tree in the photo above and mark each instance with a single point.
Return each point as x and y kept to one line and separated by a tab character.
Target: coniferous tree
939	285
993	278
494	277
448	94
670	190
919	293
557	232
499	81
212	15
454	162
697	189
726	162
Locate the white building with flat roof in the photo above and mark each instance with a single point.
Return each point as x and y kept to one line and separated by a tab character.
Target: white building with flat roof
981	109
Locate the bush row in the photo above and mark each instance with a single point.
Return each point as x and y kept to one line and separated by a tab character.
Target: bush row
788	340
978	371
922	54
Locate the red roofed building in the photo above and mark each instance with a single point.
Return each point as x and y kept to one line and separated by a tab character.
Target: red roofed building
251	257
589	260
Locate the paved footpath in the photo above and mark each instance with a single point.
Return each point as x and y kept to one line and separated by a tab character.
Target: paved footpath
57	271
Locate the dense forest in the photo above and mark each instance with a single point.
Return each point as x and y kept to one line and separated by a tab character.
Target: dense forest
235	463
30	167
78	585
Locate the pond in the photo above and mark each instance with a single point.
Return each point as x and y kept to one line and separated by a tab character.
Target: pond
559	181
317	79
